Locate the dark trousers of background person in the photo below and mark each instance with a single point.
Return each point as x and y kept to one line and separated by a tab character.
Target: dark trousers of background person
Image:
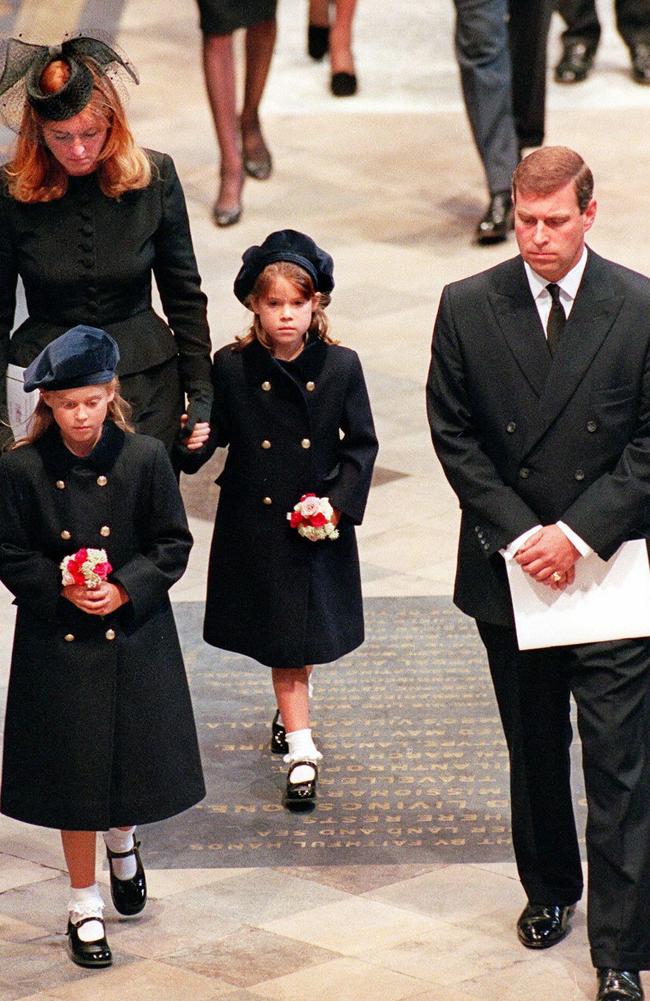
632	21
501	52
610	683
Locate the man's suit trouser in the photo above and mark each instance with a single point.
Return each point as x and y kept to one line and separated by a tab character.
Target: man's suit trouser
632	21
610	683
503	72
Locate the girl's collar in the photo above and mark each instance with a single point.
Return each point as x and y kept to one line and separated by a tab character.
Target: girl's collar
260	364
58	459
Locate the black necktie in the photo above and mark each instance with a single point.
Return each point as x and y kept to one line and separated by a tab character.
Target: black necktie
556	318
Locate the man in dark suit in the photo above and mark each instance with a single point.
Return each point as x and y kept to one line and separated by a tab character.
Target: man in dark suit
501	52
539	405
580	40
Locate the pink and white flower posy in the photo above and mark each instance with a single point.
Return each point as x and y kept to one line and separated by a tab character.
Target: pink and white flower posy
313	517
88	567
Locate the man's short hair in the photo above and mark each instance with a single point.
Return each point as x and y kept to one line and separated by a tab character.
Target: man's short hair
550	168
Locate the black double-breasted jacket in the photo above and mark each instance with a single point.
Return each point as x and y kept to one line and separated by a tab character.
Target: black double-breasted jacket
527	439
87	258
99	726
291	428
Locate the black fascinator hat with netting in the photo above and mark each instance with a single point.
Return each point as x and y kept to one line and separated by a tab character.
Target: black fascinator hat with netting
25	62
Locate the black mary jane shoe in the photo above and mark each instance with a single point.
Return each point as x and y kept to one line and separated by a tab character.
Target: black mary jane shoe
301	795
542	925
619	985
278	736
129	895
93	955
640	55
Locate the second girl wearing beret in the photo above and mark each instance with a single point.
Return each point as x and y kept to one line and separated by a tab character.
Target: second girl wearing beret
292	407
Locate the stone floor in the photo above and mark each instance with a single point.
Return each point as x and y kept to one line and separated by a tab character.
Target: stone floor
388	182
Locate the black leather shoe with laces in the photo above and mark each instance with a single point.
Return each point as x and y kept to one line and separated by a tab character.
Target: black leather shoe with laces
619	985
129	895
575	64
640	63
542	925
497	221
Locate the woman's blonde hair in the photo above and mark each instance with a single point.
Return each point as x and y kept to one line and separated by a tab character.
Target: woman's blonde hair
35	175
119	411
304	283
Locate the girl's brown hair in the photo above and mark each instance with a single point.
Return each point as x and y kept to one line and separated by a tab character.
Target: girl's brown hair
35	175
304	283
119	411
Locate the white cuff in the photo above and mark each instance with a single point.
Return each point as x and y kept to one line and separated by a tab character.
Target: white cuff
510	551
580	544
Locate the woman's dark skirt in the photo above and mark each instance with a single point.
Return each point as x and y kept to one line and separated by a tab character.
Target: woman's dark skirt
222	17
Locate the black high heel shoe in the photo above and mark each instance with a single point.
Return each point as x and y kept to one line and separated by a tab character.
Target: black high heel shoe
93	955
301	795
318	40
129	895
278	736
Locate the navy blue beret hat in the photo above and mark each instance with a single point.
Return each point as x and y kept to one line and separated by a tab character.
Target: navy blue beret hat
83	356
285	245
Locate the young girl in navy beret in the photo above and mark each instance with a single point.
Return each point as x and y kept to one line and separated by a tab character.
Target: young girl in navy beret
292	407
92	536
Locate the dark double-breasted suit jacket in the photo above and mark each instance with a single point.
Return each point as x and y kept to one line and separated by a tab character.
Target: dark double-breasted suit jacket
525	438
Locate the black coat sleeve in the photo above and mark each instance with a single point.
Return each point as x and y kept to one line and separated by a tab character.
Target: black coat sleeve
179	285
191	461
148	575
33	579
456	439
348	484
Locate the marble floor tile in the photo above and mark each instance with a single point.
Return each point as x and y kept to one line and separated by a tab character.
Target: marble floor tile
144	980
358	879
20	872
342	979
250	956
354	925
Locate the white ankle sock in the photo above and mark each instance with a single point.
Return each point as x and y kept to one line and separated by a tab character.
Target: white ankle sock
301	748
86	902
121	841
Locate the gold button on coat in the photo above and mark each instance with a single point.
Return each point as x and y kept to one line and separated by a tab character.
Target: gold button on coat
68	637
266	443
305	443
266	385
101	481
110	634
60	485
266	500
105	531
65	534
310	386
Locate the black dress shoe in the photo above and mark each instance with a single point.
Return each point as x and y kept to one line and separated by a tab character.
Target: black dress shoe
640	63
278	736
129	895
343	84
497	221
318	40
92	954
575	64
619	985
301	795
542	925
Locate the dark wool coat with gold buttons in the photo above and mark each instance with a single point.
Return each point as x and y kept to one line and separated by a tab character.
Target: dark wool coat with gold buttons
99	727
86	258
271	594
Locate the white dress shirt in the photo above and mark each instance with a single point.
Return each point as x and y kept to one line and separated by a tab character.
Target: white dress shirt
569	286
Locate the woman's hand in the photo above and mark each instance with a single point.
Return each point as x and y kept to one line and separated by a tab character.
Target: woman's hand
101	600
199	436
